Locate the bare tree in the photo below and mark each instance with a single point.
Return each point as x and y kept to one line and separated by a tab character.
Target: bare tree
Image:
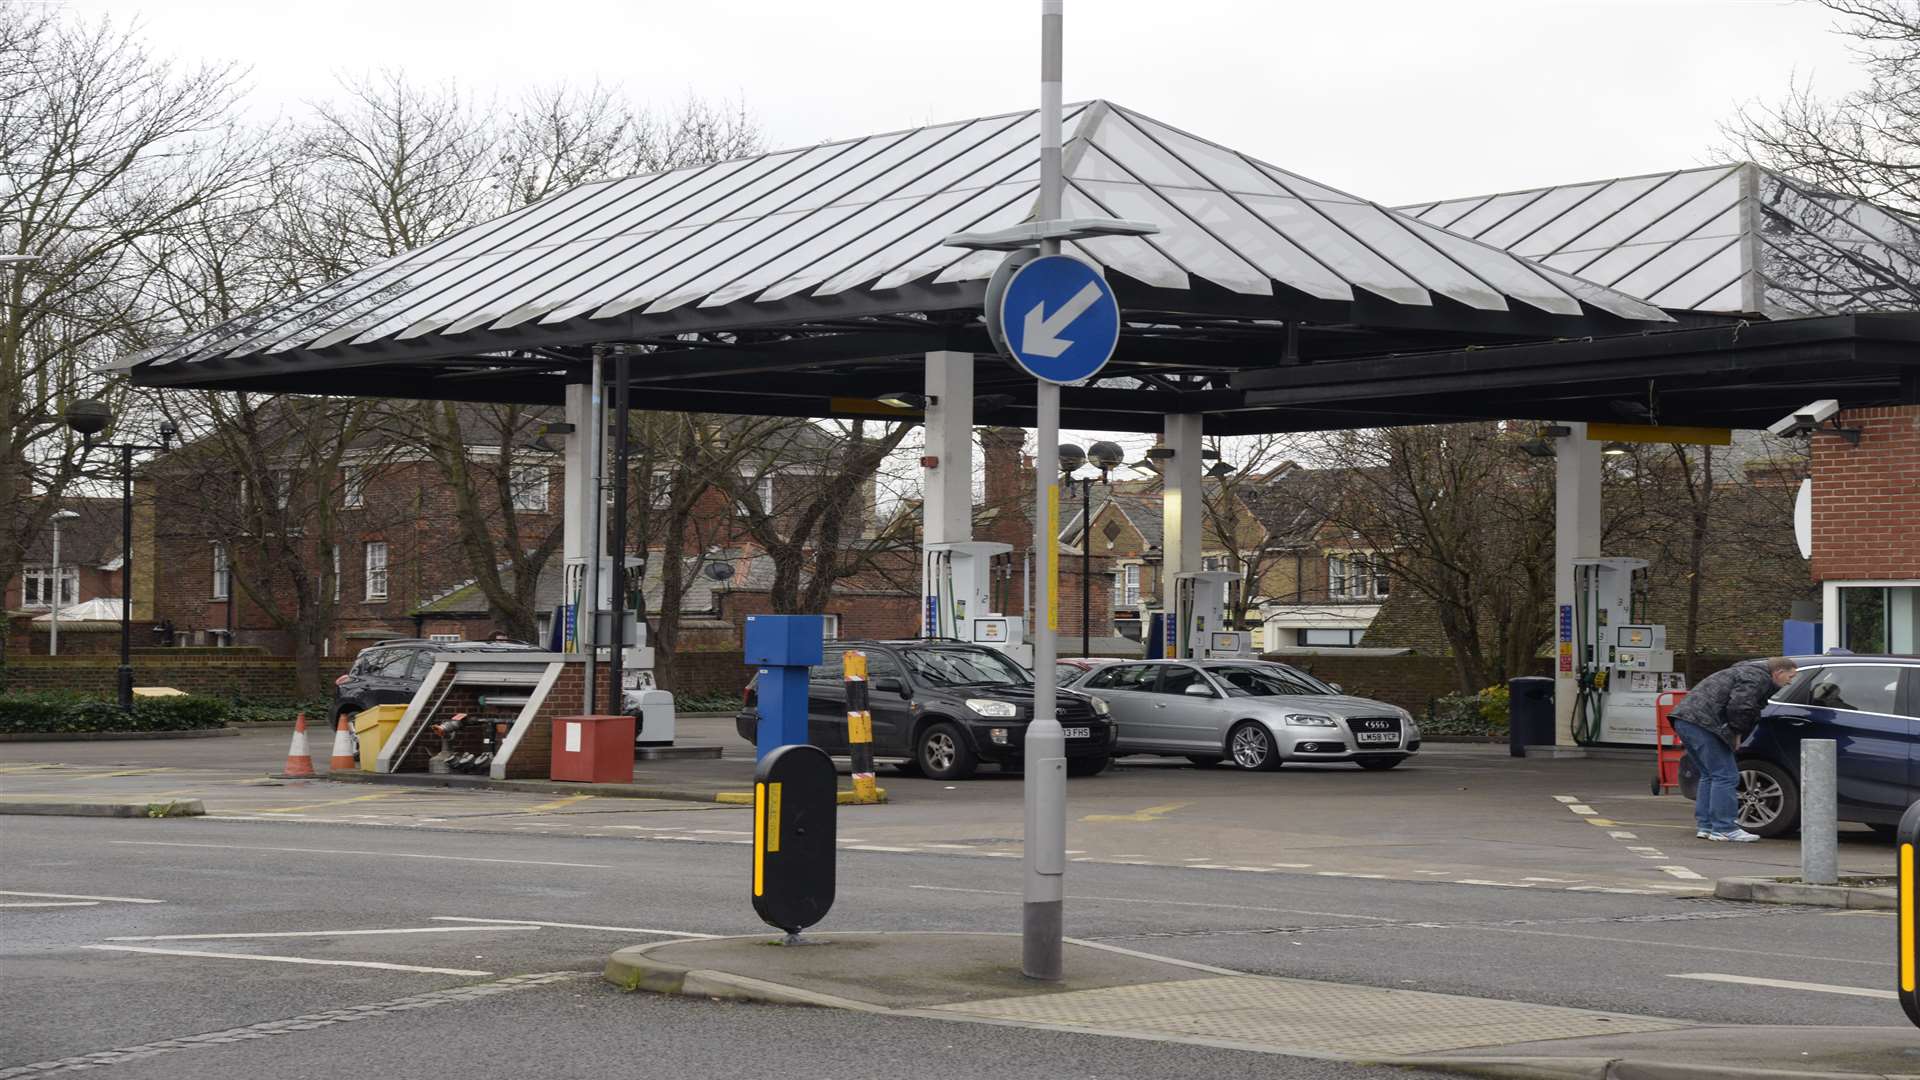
806	492
1455	515
1865	143
105	151
1232	518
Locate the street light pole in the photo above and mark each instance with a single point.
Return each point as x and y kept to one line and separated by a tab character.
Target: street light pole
90	418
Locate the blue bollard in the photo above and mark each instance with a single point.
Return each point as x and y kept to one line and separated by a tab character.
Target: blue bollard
782	648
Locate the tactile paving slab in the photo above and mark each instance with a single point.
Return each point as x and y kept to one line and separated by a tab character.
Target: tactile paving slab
1319	1017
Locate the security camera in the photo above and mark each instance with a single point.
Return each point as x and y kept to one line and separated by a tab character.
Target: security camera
1805	419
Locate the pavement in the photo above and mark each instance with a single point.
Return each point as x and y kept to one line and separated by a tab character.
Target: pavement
1131	994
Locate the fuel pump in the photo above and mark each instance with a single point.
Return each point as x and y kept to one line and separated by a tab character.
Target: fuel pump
1623	663
651	706
1198	627
958	597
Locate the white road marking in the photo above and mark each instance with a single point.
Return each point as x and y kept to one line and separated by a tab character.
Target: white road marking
1682	873
1630	847
578	926
1502	884
1789	984
1609	889
1566	798
1168	903
376	965
875	847
53	903
1343	873
1662	944
348	851
1622	834
504	925
1286	865
1583	809
79	896
1552	880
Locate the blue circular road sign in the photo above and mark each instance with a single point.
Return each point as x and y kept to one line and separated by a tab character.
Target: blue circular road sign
1058	318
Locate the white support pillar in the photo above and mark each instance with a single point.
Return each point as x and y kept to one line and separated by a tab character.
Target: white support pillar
1180	512
946	508
578	481
1576	535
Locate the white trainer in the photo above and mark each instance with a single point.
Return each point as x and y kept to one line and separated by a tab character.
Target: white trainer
1737	836
1702	834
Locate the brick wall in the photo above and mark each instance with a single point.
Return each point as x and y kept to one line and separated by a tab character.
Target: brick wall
250	676
1866	498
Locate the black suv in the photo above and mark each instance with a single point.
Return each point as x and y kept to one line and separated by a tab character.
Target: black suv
944	707
388	672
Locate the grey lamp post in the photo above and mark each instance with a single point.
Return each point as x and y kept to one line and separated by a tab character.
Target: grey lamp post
1104	456
90	417
53	634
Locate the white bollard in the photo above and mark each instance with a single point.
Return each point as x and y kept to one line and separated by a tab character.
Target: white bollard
1819	826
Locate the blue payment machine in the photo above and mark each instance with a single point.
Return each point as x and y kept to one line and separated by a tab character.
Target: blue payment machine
783	647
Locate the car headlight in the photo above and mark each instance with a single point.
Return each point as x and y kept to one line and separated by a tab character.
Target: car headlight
1004	710
1100	707
1309	720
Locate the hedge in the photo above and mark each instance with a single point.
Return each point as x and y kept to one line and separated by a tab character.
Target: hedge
63	711
1482	715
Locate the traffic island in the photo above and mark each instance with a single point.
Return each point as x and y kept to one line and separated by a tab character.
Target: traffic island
1860	893
1122	993
51	808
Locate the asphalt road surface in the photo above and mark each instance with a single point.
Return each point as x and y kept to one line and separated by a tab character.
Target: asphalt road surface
125	962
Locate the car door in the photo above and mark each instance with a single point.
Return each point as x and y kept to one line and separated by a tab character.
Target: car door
1858	707
1124	688
1183	722
827	704
888	704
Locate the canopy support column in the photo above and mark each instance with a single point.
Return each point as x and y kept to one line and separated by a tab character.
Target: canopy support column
1180	515
1576	535
947	483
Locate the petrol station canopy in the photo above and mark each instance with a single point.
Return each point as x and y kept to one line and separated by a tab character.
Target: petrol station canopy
806	282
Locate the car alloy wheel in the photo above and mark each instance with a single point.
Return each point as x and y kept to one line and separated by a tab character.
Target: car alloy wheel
940	751
1252	747
1762	800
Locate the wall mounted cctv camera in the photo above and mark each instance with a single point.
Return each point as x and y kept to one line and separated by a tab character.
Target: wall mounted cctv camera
1805	419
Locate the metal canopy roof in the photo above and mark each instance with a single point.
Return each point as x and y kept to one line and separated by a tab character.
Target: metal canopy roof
1726	238
821	270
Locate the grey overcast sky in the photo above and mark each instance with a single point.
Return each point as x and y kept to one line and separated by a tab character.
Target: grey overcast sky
1394	101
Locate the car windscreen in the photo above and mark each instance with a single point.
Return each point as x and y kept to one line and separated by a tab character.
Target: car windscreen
964	666
1266	681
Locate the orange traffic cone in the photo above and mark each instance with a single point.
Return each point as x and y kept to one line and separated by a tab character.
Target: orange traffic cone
299	761
343	749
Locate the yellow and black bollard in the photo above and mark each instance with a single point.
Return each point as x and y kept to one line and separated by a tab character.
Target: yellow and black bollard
1907	936
860	728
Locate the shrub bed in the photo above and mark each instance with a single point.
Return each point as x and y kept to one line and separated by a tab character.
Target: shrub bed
1482	715
60	711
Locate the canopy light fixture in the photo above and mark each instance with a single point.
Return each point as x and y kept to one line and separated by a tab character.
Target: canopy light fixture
1616	449
907	400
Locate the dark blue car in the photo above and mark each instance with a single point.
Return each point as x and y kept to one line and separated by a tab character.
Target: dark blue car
1870	707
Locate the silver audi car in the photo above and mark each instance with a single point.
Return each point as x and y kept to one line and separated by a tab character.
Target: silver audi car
1255	713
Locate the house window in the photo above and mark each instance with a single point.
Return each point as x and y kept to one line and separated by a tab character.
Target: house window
353	488
376	570
660	490
1330	638
830	625
1130	591
37	586
222	573
530	488
1356	576
762	490
282	487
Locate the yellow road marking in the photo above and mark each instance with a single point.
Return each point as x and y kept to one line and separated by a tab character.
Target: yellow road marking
139	772
332	802
29	766
557	804
1151	813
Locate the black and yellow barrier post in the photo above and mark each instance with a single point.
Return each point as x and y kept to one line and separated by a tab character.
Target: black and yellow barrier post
1906	840
794	792
860	729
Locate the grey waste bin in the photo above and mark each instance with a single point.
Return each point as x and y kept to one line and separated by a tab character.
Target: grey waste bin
1529	713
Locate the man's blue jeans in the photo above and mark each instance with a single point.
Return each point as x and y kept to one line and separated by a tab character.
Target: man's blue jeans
1715	800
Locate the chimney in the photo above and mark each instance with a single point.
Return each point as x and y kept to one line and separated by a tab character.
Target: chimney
1009	476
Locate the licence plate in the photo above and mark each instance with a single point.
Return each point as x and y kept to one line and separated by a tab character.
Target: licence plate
1377	736
1078	732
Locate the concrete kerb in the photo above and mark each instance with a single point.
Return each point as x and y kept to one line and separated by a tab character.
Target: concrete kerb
607	791
1548	1068
169	809
1768	890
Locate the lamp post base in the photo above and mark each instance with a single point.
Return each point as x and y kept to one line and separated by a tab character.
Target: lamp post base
126	687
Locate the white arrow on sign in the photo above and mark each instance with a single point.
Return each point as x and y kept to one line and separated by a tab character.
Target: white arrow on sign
1043	334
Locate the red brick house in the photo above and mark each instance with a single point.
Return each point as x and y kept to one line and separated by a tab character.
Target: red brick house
1865	553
